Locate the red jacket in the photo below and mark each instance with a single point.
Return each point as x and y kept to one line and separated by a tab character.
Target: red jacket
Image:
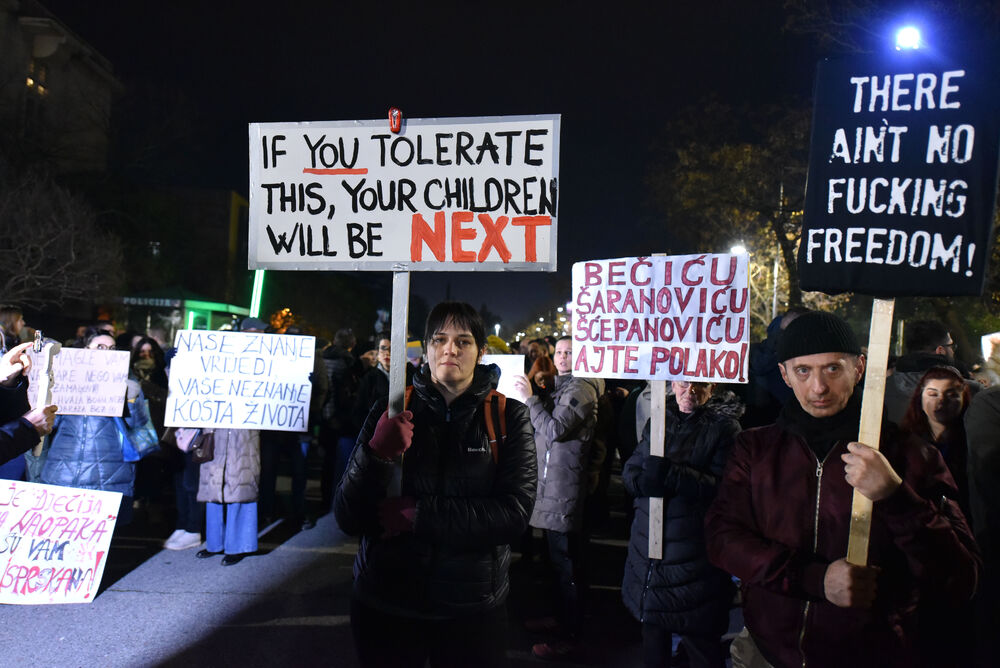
781	516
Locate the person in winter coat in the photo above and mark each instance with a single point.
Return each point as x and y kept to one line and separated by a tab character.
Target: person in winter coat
228	487
432	567
781	519
85	451
337	429
681	593
564	431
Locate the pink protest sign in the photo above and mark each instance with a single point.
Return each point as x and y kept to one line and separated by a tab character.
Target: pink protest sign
680	317
53	542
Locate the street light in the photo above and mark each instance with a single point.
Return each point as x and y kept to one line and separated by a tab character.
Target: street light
496	328
738	249
908	38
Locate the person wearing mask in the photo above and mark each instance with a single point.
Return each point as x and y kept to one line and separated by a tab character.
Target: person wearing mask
432	566
781	519
681	593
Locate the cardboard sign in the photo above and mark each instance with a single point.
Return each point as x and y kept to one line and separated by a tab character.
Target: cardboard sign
240	380
902	176
451	194
511	366
85	382
681	317
53	542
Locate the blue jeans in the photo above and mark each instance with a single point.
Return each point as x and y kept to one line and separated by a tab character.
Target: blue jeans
231	527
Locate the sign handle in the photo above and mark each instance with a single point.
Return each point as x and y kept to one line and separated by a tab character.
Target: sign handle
43	391
398	361
657	433
871	422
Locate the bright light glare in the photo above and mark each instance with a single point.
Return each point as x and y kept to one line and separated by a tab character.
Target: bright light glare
907	38
738	250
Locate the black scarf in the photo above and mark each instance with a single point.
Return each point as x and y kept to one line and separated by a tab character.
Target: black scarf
821	434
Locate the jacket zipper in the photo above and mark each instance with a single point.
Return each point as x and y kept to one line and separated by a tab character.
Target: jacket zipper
645	588
808	604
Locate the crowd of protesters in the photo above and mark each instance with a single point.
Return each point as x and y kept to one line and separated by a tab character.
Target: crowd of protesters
753	485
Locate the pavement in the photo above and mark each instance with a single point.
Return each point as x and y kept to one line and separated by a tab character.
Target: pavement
286	605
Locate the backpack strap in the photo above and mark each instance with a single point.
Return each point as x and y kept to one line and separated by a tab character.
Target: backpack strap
495	412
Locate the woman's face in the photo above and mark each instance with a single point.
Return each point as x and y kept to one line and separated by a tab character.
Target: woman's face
941	400
452	355
146	352
102	342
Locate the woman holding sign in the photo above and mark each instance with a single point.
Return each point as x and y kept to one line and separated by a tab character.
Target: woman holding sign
681	593
431	572
86	451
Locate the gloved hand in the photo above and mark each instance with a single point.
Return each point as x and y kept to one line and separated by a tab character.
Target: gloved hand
397	514
652	480
392	435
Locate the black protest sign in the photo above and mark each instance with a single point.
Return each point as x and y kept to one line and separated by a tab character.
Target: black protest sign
902	175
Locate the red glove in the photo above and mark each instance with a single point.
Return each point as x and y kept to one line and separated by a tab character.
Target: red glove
396	514
392	435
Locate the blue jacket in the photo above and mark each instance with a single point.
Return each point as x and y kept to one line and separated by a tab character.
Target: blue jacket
85	451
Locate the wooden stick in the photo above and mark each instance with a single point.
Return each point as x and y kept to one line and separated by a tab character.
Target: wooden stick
657	433
397	360
871	422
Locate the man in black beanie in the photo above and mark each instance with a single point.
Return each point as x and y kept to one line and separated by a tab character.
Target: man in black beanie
781	519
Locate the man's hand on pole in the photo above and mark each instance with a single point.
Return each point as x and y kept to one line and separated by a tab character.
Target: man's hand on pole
42	419
869	472
849	586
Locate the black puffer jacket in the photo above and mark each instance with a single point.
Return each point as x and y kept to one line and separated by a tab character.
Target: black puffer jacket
682	592
469	508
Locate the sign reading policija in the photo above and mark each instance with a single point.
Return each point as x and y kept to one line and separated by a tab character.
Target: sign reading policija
451	194
681	317
53	542
902	175
240	380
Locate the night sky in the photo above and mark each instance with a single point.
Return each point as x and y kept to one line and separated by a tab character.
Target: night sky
614	71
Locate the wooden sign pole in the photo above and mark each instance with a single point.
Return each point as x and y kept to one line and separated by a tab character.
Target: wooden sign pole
43	391
871	422
657	433
397	360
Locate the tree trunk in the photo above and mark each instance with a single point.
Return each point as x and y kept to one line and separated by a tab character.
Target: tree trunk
788	256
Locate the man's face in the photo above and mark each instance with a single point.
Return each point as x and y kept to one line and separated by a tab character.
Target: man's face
690	395
382	354
564	357
534	350
948	349
823	383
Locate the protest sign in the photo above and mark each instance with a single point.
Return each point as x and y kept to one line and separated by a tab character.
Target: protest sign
902	175
451	194
84	382
53	542
680	317
240	380
511	366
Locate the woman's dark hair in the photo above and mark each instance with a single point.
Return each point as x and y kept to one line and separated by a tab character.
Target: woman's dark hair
156	350
91	334
915	420
460	314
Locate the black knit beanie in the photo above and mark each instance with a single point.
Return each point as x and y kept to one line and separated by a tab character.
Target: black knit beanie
817	332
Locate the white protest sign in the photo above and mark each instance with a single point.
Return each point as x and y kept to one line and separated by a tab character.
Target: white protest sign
681	317
510	367
449	194
53	542
85	382
240	380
